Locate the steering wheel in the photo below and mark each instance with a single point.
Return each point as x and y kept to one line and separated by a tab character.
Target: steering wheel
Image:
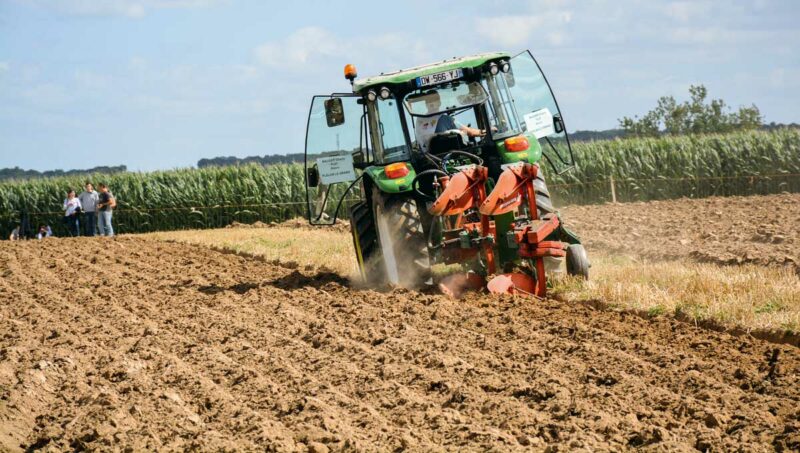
470	156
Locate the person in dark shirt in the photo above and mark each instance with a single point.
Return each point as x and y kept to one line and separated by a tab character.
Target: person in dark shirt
105	206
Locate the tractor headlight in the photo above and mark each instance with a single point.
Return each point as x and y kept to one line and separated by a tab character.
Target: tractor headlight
371	96
494	69
385	93
505	66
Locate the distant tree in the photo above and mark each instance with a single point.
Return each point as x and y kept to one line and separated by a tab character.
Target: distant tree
263	160
20	174
585	136
694	116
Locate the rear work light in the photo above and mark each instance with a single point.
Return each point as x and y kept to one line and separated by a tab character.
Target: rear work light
396	170
517	144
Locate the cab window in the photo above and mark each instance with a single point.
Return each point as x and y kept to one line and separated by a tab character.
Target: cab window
388	136
502	114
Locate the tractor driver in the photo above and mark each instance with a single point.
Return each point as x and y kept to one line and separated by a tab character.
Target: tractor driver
426	127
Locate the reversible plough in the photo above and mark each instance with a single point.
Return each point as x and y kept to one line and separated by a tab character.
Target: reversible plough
513	193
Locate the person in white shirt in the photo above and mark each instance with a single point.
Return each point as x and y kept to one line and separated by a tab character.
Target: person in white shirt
72	211
426	126
89	199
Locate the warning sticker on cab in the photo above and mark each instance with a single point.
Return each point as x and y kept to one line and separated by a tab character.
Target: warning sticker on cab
540	122
333	169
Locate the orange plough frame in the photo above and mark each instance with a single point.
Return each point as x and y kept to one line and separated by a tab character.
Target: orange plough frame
513	191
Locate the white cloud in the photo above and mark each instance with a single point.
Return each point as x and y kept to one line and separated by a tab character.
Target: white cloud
91	80
4	66
137	64
48	95
556	38
513	31
702	35
497	29
298	47
315	48
197	106
127	8
684	11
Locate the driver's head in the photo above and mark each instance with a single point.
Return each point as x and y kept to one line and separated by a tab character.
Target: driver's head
433	101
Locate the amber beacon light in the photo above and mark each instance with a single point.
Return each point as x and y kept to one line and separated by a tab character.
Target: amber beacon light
350	72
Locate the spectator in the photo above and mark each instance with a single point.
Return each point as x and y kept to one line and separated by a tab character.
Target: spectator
16	234
72	212
106	206
89	198
44	232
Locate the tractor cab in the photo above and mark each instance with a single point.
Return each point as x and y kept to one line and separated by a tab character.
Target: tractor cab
391	145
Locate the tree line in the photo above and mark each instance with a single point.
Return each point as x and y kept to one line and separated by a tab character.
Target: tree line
18	173
263	160
694	116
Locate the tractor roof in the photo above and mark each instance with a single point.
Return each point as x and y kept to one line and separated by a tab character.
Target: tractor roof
405	75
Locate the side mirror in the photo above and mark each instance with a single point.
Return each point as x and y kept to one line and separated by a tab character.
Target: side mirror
312	176
558	124
334	112
358	157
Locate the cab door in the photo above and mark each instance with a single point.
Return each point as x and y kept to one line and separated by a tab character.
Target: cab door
538	110
335	148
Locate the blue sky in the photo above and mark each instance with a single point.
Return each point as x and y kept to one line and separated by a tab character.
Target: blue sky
156	84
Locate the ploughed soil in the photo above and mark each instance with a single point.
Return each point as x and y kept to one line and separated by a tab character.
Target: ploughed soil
725	230
130	343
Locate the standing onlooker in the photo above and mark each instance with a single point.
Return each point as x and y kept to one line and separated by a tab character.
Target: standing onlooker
89	199
106	206
72	210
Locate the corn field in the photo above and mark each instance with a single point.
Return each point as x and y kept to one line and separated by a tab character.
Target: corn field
740	163
643	169
167	200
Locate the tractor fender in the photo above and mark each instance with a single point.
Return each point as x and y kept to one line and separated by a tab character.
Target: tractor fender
532	155
375	175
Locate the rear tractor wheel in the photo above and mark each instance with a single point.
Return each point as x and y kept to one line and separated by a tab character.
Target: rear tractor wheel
400	237
365	242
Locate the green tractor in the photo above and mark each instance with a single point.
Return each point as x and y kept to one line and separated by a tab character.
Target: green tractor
442	164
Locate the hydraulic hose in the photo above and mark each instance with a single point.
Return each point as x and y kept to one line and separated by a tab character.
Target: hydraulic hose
436	161
415	182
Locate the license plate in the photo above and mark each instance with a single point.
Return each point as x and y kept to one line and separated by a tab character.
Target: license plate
439	77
